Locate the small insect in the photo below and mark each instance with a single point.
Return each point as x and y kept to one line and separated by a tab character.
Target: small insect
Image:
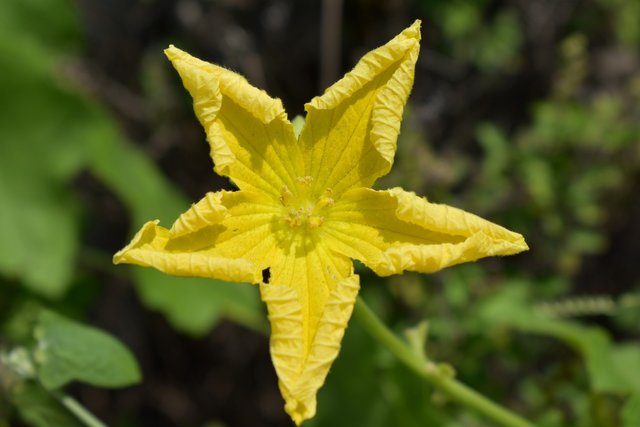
266	275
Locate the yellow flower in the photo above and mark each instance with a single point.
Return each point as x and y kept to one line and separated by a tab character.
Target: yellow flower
305	208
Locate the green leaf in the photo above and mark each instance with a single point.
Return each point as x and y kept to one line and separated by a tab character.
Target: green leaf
68	351
194	305
631	411
496	149
39	231
37	213
38	408
41	126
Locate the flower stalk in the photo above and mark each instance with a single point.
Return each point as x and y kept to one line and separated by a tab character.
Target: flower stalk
80	412
430	372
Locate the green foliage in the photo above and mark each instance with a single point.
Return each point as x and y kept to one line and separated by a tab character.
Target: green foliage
625	20
51	135
631	412
569	162
608	365
39	154
38	408
68	351
492	45
63	351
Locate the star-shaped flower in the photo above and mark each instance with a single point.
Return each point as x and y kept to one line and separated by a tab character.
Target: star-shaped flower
304	207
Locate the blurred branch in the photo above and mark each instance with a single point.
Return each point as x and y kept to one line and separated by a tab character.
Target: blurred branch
589	305
330	41
81	413
439	376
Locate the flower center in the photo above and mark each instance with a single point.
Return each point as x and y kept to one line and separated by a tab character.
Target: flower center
305	210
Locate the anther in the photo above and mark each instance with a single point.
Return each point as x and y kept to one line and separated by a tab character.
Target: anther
326	200
315	221
285	195
306	180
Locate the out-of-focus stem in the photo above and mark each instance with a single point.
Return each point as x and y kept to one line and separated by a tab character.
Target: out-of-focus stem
81	413
431	373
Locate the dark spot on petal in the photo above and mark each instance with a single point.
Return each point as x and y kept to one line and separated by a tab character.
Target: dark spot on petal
266	275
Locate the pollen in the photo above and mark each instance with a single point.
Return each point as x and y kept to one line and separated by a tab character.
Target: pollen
303	210
305	180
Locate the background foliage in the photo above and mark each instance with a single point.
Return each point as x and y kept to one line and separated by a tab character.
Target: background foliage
525	112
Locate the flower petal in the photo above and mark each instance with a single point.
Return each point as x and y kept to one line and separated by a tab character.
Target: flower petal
251	139
351	130
208	211
221	229
393	231
303	366
309	297
148	249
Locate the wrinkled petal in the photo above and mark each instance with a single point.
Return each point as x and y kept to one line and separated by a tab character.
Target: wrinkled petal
207	212
350	132
148	249
251	139
231	229
393	231
246	229
303	364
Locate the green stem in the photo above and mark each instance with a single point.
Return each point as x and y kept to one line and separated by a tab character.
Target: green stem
432	374
87	418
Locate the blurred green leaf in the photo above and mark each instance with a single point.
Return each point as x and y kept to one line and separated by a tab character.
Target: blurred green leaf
625	20
41	148
38	408
194	305
538	176
608	365
39	231
501	43
49	134
631	411
461	18
68	351
490	44
496	149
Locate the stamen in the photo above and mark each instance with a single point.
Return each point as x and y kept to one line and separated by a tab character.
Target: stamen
326	200
285	195
316	221
306	180
302	211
